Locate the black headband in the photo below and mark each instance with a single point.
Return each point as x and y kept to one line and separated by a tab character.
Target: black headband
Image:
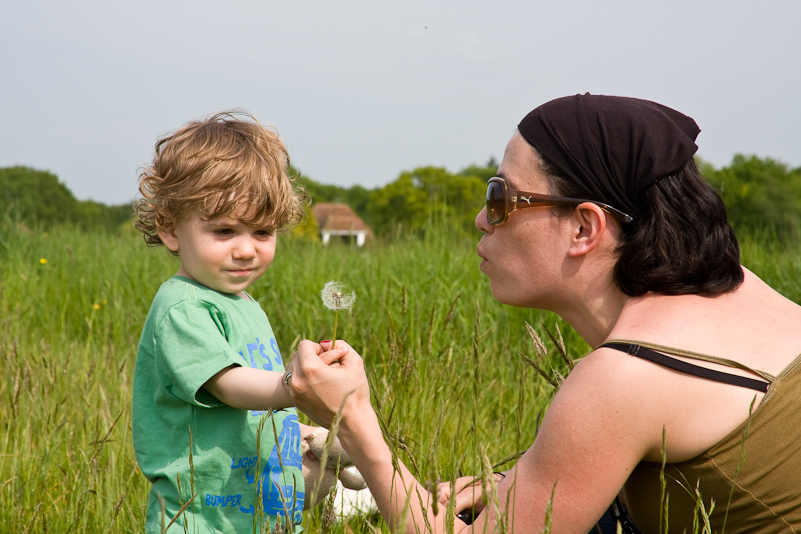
614	147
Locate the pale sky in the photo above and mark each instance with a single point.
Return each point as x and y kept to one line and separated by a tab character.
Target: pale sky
363	90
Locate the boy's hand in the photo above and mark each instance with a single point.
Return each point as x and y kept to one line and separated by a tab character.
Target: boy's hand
321	479
316	440
318	481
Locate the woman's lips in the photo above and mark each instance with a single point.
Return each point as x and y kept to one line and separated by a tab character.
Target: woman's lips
483	259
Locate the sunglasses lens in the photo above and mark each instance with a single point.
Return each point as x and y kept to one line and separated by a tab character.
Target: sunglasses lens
496	204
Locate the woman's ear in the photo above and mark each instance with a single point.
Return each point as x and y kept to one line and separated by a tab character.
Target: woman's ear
588	226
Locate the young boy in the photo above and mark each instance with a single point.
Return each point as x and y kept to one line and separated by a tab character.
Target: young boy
212	419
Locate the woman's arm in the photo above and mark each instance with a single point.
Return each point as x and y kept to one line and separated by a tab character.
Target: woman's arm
582	456
320	391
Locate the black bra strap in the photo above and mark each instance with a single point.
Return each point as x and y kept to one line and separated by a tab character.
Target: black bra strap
688	368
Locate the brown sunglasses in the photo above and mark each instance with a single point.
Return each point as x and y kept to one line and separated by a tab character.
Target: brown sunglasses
503	200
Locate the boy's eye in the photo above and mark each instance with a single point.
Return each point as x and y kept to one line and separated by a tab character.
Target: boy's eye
223	231
264	233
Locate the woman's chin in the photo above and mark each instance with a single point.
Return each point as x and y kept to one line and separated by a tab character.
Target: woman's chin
503	296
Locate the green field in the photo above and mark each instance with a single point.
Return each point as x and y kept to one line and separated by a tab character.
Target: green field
444	358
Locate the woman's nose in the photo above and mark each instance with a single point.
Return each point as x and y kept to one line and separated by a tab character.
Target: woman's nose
481	221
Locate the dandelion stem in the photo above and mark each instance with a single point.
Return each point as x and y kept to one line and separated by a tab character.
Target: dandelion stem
336	320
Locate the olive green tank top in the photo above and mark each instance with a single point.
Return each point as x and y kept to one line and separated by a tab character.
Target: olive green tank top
750	481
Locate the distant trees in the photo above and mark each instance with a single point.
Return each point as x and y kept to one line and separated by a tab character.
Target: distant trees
415	200
763	196
426	195
33	196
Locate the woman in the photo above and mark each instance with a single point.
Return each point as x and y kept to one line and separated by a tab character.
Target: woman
648	257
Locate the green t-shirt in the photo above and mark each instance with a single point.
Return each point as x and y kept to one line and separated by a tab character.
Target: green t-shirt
186	441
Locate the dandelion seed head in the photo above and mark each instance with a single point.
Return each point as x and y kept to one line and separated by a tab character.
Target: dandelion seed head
334	297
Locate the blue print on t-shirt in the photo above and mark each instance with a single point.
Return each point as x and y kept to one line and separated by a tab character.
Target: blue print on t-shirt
268	365
274	345
260	347
279	496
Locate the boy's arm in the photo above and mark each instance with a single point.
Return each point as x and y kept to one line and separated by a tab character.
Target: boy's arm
249	389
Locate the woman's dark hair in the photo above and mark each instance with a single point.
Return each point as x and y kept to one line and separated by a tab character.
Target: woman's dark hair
681	244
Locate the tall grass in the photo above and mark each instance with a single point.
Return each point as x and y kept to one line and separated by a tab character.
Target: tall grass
444	359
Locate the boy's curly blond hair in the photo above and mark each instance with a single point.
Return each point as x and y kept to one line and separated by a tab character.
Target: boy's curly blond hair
217	166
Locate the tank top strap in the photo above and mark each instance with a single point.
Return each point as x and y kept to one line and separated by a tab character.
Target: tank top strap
644	349
697	356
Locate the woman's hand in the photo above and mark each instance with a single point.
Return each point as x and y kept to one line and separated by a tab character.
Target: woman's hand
448	489
467	493
323	381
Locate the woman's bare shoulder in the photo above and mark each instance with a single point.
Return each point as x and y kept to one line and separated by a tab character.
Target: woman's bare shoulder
644	403
590	440
611	395
753	325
